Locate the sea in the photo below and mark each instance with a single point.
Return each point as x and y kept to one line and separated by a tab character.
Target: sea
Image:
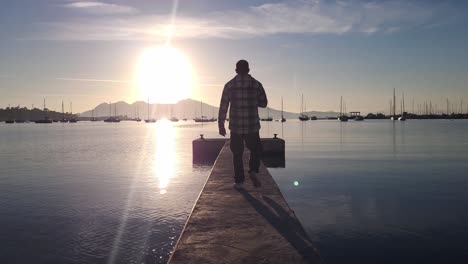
366	192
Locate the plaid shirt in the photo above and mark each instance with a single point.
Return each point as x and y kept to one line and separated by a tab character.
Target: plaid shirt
245	94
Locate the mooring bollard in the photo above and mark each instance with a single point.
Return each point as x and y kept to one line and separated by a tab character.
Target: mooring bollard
201	136
275	136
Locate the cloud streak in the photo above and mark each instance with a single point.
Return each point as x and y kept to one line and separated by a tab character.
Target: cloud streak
91	80
300	17
100	8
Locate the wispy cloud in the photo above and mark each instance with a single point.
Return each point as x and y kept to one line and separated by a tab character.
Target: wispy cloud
101	8
91	80
298	17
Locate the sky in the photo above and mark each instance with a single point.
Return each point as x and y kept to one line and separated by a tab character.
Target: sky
87	51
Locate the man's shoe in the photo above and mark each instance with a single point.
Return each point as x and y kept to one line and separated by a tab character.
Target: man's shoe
239	185
256	182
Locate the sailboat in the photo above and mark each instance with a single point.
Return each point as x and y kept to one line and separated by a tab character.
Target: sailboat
138	119
310	117
72	119
9	120
112	119
203	119
148	120
183	105
268	118
93	119
342	117
282	113
116	119
394	118
303	116
109	119
63	120
19	120
173	118
402	117
46	119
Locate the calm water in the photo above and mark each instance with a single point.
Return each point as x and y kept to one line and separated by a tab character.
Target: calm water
366	192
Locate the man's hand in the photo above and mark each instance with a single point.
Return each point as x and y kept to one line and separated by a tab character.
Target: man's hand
222	131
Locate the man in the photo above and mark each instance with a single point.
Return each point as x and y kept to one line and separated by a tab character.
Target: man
245	95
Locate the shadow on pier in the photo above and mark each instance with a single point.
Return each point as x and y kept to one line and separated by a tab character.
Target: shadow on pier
287	225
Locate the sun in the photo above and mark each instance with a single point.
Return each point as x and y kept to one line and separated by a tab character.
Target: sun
164	75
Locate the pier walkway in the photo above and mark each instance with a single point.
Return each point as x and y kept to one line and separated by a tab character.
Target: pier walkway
253	225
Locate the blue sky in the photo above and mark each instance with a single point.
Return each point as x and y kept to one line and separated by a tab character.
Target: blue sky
85	51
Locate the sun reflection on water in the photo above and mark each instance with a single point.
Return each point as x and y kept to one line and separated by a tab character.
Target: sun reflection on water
165	158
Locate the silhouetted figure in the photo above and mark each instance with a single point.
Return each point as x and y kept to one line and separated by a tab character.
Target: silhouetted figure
244	94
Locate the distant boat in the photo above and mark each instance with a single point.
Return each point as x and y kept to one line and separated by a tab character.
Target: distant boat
46	119
148	120
20	120
303	116
112	119
402	117
72	119
342	117
173	118
313	118
203	119
43	121
93	119
282	113
63	120
356	116
394	118
9	120
183	108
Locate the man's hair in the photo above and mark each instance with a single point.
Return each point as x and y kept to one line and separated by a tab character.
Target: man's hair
242	67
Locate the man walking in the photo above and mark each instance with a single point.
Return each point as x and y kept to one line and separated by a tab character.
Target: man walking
245	95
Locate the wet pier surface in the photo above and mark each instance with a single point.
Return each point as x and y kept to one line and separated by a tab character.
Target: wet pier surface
254	225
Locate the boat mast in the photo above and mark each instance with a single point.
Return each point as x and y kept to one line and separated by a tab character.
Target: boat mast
282	116
110	109
341	106
148	108
394	103
302	105
63	112
45	112
403	110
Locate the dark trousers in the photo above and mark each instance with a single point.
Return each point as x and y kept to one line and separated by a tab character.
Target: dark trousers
237	147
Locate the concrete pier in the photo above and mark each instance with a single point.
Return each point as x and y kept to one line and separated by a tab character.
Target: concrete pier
206	150
254	225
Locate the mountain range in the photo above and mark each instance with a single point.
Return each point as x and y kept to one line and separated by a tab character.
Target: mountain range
187	108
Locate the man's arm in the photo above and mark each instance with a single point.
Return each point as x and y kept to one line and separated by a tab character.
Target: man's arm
262	98
223	107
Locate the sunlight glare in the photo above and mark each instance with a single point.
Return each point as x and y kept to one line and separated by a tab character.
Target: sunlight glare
165	158
164	74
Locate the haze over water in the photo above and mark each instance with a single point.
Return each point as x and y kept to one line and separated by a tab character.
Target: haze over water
366	192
